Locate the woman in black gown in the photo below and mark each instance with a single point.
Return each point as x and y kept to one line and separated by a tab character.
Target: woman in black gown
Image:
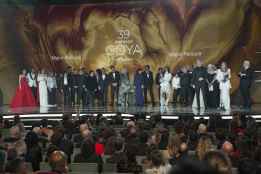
213	88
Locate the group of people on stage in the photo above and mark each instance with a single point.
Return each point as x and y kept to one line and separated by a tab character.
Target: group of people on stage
203	87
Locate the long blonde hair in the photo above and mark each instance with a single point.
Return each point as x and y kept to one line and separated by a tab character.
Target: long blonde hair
174	145
204	146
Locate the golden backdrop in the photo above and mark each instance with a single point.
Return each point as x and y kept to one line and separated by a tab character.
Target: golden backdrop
158	33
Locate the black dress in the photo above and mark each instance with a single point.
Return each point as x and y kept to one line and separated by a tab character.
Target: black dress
213	91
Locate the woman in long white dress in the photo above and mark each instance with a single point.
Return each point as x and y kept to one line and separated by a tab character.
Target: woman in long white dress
165	87
223	76
43	92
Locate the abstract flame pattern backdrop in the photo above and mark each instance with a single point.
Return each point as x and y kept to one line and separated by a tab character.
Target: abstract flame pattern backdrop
129	34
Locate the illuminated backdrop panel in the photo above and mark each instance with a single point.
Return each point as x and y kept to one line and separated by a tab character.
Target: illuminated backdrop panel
158	33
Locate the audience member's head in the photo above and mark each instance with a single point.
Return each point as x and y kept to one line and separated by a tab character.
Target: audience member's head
58	162
119	145
227	147
183	148
202	129
192	167
130	124
37	130
83	127
16	166
179	127
57	136
156	159
86	134
31	139
44	123
204	146
219	161
15	132
174	145
17	120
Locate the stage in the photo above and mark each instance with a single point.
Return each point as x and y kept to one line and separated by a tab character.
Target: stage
36	114
133	110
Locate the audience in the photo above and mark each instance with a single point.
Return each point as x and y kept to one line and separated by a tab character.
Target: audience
158	165
134	146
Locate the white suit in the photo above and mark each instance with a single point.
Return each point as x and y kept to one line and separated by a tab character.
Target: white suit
165	88
224	86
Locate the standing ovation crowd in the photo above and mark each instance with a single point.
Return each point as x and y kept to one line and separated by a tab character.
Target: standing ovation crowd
199	86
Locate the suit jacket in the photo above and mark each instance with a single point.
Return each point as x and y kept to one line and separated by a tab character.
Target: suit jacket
115	79
199	72
92	84
103	83
185	79
158	76
82	80
69	80
59	80
247	78
148	79
75	80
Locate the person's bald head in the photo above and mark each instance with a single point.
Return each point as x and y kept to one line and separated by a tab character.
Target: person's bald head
58	162
183	147
227	147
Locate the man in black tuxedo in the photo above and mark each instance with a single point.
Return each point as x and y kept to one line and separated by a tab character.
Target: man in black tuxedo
246	78
199	75
60	81
103	85
82	91
67	86
185	80
159	75
92	87
115	83
148	84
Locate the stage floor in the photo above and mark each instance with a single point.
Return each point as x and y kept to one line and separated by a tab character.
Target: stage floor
150	110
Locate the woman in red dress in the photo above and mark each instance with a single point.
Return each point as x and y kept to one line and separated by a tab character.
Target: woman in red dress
23	96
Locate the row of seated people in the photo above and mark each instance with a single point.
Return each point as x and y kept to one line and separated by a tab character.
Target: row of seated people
162	147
